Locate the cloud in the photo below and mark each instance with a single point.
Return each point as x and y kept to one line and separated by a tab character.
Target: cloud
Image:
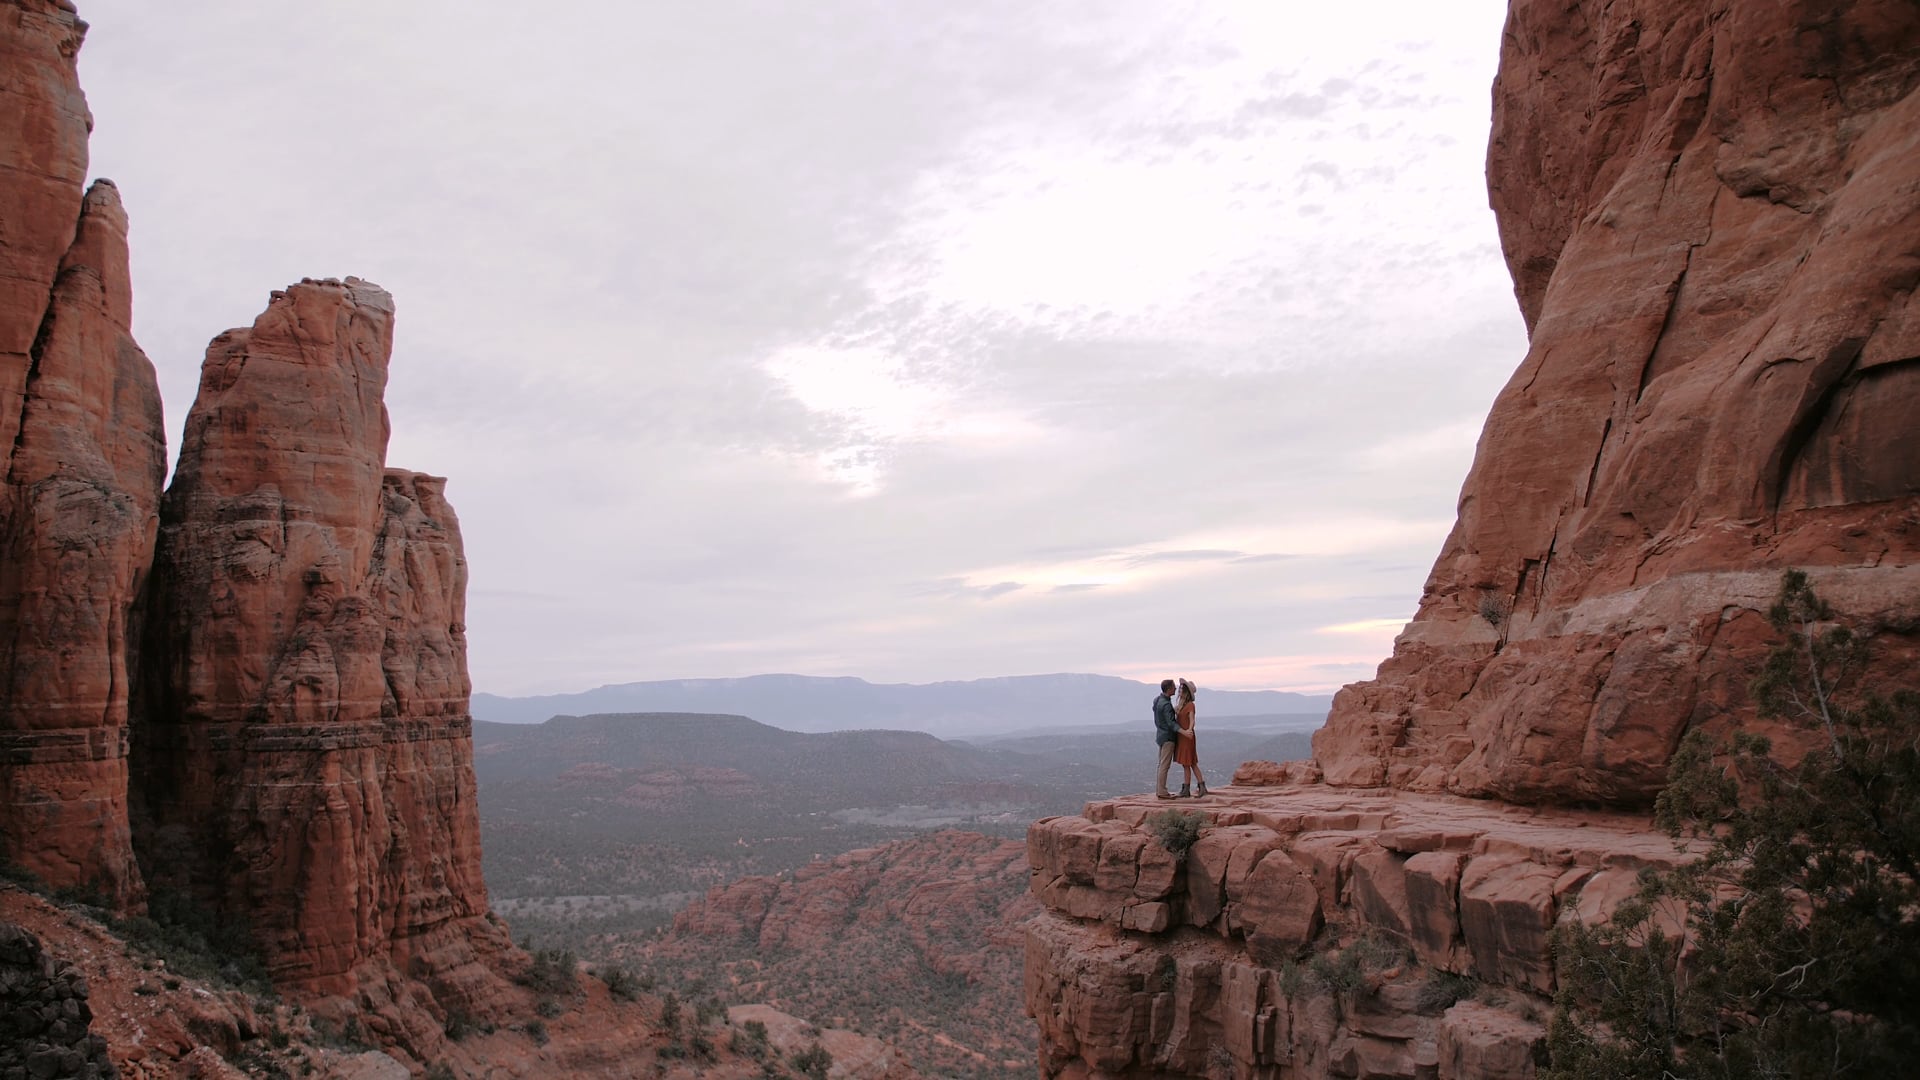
1362	626
908	340
1202	555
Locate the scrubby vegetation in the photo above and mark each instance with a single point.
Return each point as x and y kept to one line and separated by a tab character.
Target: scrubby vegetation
186	936
1792	948
881	977
812	1062
1177	830
1443	989
1351	969
621	983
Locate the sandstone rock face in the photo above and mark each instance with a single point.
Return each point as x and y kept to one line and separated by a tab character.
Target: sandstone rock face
43	147
82	453
303	754
1712	216
287	737
1230	960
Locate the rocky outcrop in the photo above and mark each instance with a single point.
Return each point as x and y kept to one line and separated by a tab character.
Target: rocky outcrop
82	454
855	1056
1712	216
1711	212
254	693
1314	932
917	941
304	756
44	1015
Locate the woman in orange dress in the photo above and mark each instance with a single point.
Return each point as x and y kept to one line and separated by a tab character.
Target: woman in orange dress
1187	755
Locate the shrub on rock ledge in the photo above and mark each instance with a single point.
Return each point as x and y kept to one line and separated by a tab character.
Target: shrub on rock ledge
1792	948
1176	829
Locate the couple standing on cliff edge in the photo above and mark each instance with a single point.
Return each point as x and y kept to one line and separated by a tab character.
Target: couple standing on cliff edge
1173	731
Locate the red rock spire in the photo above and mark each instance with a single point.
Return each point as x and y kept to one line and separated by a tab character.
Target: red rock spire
82	454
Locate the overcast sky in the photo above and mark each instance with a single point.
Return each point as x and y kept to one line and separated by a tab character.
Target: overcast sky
906	339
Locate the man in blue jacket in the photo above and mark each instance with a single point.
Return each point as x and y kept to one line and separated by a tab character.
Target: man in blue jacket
1166	732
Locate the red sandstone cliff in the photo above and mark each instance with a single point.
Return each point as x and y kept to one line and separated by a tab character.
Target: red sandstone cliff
303	754
1712	216
286	737
1314	932
82	453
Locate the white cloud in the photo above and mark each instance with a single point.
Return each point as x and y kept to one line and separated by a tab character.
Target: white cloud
778	338
1364	626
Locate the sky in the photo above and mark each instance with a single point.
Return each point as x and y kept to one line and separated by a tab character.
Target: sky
905	339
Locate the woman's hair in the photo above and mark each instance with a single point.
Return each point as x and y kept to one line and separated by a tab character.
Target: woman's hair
1186	690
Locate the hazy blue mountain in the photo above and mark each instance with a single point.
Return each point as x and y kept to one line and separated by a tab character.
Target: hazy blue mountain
1224	741
804	703
870	765
1290	746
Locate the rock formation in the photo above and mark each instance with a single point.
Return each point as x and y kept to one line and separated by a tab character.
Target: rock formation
1314	931
293	745
855	1056
303	752
1712	216
82	453
1711	212
918	940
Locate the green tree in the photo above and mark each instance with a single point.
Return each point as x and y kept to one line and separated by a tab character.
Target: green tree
1791	948
812	1062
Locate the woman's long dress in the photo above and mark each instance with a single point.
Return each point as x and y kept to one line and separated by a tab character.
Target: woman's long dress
1186	753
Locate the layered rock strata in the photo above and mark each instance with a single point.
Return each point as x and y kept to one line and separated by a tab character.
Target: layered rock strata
1712	216
304	756
1314	932
256	696
82	454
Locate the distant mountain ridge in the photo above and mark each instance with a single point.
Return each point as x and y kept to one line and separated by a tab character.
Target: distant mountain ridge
648	805
948	709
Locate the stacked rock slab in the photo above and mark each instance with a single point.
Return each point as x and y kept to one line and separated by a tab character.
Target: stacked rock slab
82	454
1212	963
303	754
1711	211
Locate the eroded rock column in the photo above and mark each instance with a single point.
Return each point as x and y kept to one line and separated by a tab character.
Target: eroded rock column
82	454
304	758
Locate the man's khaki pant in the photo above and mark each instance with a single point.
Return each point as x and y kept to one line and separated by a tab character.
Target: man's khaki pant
1166	762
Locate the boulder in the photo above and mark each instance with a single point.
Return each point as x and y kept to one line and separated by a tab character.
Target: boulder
1479	1042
